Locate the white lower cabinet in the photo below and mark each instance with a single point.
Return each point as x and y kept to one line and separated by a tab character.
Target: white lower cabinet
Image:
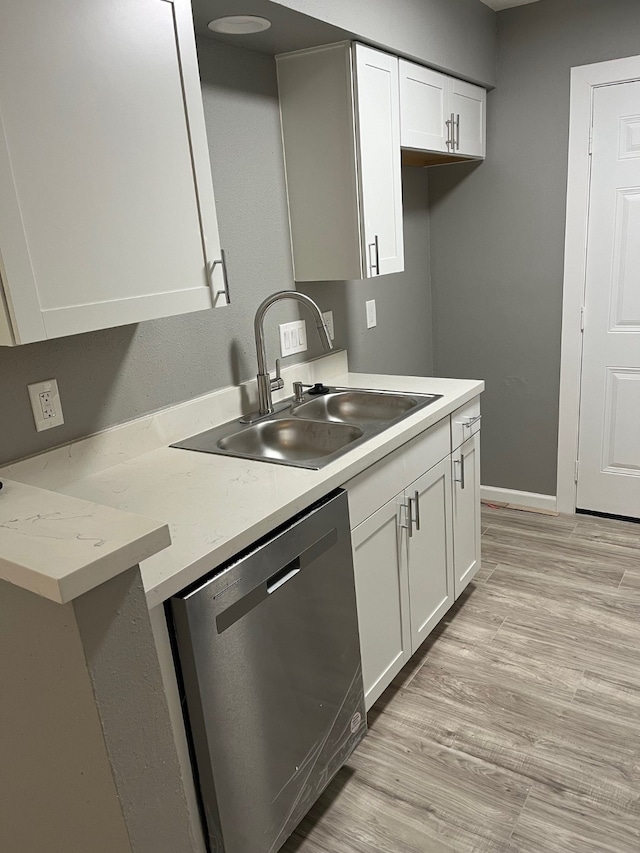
430	551
416	542
383	598
403	553
466	511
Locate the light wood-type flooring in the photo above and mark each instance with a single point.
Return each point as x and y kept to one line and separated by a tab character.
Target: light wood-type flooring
516	728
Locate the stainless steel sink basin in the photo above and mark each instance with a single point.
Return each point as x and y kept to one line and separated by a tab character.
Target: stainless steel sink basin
358	407
291	440
313	432
279	438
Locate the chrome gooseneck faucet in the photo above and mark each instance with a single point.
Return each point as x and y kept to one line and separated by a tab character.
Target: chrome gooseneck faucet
265	383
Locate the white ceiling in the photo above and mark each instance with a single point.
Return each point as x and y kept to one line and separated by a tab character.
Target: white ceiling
506	4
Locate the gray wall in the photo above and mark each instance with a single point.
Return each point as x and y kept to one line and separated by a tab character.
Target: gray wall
402	342
57	791
455	35
89	759
112	376
498	233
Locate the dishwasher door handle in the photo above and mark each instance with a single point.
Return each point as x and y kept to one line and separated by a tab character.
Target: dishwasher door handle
245	602
280	578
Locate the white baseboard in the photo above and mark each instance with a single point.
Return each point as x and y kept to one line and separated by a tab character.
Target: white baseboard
512	496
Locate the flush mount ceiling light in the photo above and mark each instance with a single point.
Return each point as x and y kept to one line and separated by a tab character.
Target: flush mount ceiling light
239	25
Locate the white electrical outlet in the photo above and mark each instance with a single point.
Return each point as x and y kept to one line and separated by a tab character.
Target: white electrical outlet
327	316
46	405
372	321
293	337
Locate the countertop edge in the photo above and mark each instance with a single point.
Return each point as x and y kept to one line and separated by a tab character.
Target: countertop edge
76	530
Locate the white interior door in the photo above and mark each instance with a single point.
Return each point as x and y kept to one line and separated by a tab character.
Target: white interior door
609	444
378	112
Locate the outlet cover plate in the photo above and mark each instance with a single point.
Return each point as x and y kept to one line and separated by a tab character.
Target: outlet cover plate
46	405
328	321
372	320
293	337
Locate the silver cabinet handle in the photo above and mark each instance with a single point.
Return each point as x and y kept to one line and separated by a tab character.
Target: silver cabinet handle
416	498
460	462
222	260
457	143
451	139
409	517
471	421
375	245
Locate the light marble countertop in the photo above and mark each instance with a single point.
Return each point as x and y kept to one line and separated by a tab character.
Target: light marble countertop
216	506
60	547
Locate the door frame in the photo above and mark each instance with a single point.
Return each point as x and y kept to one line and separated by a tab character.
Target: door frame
584	79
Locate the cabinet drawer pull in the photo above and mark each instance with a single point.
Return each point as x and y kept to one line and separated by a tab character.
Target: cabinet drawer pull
222	260
471	421
408	508
457	142
416	498
460	462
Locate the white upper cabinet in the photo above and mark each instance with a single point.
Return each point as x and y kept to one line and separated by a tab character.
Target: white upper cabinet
107	215
340	113
378	134
467	104
423	108
441	114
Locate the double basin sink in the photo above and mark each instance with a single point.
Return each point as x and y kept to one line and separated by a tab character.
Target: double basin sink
313	432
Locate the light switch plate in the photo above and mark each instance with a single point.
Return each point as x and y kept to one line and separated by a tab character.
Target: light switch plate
293	337
372	320
46	405
327	316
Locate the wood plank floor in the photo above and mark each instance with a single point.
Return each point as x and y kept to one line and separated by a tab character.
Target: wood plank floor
517	728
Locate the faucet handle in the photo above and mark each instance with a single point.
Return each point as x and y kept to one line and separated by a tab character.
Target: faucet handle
277	384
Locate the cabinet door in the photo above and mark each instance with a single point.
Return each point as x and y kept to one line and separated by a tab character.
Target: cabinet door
467	103
423	96
107	212
315	88
431	585
466	511
378	134
382	595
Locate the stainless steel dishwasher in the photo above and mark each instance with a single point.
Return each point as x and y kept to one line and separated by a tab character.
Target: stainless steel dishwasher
269	655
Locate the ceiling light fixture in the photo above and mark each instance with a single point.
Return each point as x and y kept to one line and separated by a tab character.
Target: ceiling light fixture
239	25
